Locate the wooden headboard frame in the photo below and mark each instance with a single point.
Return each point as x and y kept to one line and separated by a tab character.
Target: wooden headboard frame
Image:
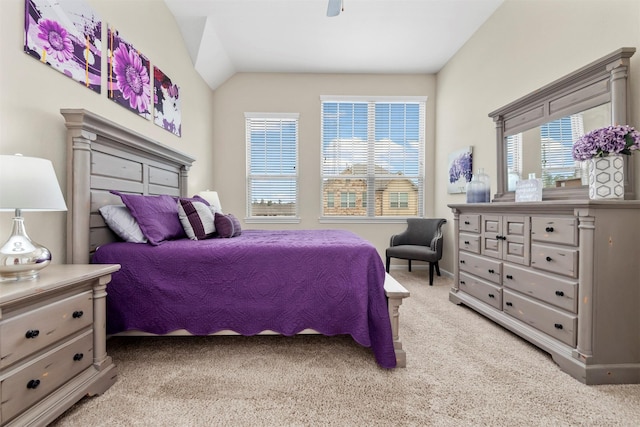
104	156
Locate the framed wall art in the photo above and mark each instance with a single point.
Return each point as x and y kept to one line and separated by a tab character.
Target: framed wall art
67	36
460	170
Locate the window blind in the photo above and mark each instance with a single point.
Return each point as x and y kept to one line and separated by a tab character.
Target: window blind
373	150
272	164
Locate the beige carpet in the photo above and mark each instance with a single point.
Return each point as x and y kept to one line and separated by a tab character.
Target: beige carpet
463	370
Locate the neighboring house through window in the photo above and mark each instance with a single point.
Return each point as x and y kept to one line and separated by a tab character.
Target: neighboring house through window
272	165
373	156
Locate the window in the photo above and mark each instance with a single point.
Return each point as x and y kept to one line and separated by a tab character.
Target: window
272	165
347	200
398	200
373	148
556	146
331	199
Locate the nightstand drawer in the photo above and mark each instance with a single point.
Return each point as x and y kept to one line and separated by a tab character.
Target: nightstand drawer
484	291
35	380
469	242
554	230
560	325
30	332
482	267
555	259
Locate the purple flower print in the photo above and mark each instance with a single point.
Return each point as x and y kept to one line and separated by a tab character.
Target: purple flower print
132	78
461	167
55	40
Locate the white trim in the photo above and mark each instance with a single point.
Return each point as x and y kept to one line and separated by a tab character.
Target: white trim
272	220
250	115
369	98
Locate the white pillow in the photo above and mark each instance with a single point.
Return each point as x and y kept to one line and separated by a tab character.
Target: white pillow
121	222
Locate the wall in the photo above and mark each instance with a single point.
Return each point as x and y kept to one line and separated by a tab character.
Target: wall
32	94
300	93
524	45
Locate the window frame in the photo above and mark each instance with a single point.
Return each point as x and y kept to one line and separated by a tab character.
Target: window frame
250	218
370	203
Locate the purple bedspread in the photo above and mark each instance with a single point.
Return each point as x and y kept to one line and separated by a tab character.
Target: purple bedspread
285	281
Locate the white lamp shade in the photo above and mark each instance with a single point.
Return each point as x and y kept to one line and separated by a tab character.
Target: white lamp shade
212	198
29	184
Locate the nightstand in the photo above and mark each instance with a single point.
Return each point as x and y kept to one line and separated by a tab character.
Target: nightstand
53	342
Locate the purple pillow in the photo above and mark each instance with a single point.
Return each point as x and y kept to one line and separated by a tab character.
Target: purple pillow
157	216
227	225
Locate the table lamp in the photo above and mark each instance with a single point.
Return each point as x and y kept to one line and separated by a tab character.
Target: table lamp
212	198
26	184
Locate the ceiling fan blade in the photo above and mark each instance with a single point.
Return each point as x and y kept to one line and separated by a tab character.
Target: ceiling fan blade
334	8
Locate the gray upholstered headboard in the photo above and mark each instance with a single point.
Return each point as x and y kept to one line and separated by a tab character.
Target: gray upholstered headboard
104	156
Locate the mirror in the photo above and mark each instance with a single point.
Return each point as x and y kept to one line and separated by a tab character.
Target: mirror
546	150
535	133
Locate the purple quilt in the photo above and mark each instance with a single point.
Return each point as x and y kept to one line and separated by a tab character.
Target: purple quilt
286	281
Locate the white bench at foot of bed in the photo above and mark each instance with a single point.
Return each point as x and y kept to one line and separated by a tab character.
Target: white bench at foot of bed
395	294
394	291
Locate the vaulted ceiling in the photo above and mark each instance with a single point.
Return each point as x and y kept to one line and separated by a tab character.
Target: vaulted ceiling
224	37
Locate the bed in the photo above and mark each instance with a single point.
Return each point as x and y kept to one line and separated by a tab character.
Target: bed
260	282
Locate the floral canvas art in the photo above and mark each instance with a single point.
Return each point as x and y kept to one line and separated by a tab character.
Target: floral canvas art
460	170
166	100
67	36
128	81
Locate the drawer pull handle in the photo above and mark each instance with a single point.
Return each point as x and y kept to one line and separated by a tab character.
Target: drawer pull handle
491	271
467	222
509	276
462	282
510	304
77	314
33	384
548	259
461	261
32	333
549	229
560	293
558	325
492	296
466	242
78	356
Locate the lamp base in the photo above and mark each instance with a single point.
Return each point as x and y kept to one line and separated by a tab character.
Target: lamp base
21	258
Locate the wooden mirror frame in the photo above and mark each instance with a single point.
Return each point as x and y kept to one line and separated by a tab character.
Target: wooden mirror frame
602	81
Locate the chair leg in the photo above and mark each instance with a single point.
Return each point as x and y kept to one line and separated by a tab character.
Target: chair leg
409	265
431	274
437	268
388	262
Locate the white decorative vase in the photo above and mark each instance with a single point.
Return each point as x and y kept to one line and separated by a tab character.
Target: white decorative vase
606	177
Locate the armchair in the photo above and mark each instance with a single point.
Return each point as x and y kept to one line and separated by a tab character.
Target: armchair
421	241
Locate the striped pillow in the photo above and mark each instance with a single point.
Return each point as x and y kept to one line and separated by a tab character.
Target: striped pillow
196	219
227	225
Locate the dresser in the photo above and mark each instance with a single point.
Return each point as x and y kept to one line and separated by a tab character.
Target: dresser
53	342
563	275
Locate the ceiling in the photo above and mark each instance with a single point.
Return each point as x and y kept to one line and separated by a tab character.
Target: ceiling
369	36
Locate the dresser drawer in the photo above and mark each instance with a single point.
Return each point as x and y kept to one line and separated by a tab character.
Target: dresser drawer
469	242
484	291
469	223
557	260
29	332
482	267
35	380
554	290
558	324
555	230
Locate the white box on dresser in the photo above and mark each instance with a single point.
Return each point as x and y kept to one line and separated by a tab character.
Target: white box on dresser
564	275
53	342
